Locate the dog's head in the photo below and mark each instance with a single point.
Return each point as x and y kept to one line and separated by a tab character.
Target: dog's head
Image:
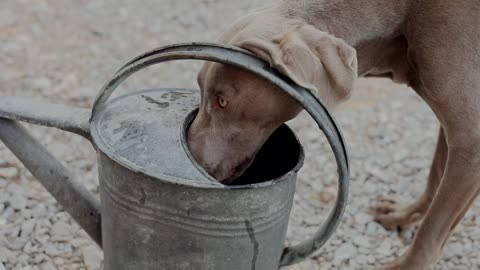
239	111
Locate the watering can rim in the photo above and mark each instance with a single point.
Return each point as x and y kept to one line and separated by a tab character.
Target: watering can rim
106	149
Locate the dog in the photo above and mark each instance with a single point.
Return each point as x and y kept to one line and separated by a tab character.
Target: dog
324	46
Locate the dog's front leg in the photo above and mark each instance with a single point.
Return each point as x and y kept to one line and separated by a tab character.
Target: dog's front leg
459	187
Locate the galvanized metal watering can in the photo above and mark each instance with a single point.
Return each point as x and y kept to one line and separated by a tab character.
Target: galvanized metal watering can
159	209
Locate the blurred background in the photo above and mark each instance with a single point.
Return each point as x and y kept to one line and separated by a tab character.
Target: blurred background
65	50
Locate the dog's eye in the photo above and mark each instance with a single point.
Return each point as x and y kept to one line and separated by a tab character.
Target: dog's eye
222	102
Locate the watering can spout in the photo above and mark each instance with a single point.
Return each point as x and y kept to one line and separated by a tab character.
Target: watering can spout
58	180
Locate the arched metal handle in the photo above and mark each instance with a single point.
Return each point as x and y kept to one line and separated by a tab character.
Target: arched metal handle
243	59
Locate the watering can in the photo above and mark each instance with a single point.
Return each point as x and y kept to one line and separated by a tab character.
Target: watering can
159	209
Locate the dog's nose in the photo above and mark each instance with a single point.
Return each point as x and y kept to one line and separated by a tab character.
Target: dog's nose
226	173
219	173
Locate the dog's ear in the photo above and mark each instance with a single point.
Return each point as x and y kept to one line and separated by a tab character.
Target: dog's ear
312	58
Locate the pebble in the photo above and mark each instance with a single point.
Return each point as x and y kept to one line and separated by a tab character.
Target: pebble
344	252
58	261
92	257
3	253
12	256
384	248
454	249
52	250
43	238
79	242
361	241
3	183
327	195
61	231
41	83
16	243
8	173
362	218
18	201
48	266
39	211
40	258
27	228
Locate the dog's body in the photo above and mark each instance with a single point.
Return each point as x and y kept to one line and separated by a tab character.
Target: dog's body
432	45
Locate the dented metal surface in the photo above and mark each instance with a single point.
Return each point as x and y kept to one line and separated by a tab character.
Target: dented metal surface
144	132
152	224
155	195
160	210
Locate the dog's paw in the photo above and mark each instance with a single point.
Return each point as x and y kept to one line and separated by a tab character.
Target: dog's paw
388	213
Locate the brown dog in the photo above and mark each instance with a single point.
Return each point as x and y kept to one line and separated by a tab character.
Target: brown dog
432	45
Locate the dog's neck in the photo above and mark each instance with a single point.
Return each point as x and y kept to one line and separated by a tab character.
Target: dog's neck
367	25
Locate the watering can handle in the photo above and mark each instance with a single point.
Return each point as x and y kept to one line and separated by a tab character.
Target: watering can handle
245	60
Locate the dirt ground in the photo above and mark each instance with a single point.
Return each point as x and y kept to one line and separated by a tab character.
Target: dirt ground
64	51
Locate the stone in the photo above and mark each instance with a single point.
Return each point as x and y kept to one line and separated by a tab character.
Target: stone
48	266
58	261
17	199
344	252
52	250
361	241
39	211
384	248
66	249
16	243
7	214
400	154
80	242
92	257
362	218
42	238
9	172
373	229
454	249
40	258
41	83
4	253
12	256
27	227
61	231
29	247
3	183
327	195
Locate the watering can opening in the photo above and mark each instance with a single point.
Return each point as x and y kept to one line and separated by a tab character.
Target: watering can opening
280	154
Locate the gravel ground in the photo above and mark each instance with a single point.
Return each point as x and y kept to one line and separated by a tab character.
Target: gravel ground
64	50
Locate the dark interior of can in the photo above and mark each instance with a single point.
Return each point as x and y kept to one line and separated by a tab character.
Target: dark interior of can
280	154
